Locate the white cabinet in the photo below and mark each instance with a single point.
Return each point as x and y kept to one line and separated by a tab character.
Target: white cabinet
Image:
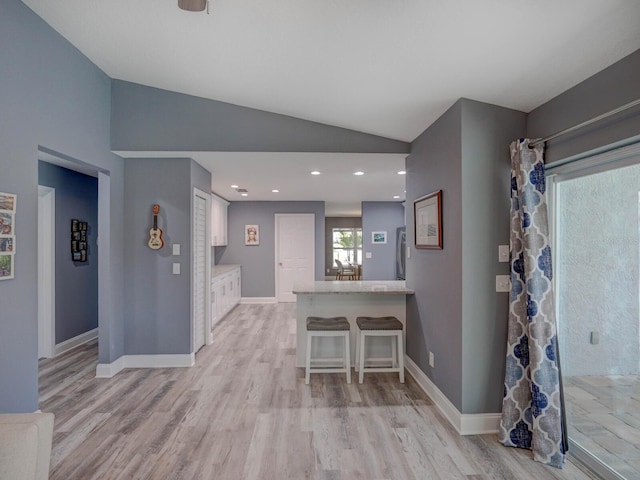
218	221
226	285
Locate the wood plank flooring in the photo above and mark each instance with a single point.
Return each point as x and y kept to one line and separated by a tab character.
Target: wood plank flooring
243	412
603	415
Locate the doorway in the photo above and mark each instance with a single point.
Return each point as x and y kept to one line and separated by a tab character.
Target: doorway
64	311
596	230
295	252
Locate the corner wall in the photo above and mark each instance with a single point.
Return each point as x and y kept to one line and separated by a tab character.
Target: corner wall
380	217
53	96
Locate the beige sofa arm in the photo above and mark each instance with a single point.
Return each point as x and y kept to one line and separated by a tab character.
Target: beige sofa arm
25	445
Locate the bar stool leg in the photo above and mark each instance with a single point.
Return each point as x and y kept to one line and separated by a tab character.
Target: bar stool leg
347	356
361	359
400	356
307	374
394	352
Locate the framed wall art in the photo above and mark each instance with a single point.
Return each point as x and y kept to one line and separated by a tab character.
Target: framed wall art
252	235
427	218
378	237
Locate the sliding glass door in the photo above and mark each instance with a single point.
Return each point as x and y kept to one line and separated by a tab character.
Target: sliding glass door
596	211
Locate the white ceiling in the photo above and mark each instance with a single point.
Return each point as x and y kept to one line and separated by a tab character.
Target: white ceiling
385	67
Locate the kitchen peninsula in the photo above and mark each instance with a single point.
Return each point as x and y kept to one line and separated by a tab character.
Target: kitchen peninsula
349	299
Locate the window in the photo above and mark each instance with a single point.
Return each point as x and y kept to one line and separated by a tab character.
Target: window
347	246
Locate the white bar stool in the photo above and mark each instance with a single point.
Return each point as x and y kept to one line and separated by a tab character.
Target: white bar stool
328	327
380	327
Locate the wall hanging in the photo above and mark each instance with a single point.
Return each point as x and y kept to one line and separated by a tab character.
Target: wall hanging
7	235
79	240
155	234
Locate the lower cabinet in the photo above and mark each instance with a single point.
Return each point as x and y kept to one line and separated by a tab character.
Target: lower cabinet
225	293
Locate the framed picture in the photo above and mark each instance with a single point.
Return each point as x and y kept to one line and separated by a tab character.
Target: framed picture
7	223
427	218
6	266
252	235
378	237
7	244
7	202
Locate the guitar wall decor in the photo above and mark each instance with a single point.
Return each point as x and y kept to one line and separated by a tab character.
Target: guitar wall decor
155	234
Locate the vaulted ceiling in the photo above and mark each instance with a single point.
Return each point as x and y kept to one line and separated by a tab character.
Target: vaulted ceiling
385	67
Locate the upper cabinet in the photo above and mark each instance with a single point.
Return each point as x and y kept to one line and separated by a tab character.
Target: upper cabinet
218	221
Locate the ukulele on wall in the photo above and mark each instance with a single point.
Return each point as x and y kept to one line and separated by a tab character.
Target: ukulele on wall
155	234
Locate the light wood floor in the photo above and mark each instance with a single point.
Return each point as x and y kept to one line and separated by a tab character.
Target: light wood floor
244	412
604	417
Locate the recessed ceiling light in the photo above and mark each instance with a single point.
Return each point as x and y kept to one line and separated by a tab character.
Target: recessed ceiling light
244	194
315	172
358	173
402	172
275	190
396	196
234	186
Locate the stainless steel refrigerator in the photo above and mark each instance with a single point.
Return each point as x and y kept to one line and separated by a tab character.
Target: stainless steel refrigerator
401	253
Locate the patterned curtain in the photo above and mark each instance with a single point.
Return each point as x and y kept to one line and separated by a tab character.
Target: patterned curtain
532	408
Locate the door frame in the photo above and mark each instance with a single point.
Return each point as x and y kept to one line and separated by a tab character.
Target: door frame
277	216
557	173
46	272
208	339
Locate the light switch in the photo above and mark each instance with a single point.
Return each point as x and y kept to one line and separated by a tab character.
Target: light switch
503	283
367	254
408	252
176	269
503	253
176	249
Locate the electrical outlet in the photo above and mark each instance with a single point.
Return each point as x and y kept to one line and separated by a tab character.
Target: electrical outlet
503	283
503	253
431	360
176	269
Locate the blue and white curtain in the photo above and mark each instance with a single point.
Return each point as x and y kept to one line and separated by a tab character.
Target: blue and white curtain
532	408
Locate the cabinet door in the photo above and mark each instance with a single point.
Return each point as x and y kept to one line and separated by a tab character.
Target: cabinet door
218	221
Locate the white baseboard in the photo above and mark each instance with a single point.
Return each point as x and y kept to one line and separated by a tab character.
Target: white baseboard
75	341
108	370
251	300
465	424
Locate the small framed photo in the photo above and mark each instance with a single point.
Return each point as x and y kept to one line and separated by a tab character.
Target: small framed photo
378	237
6	266
252	235
7	223
7	244
8	202
427	217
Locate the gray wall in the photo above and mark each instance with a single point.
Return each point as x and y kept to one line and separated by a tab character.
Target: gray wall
158	303
146	118
377	217
611	88
456	313
487	131
329	224
258	262
50	95
434	313
76	293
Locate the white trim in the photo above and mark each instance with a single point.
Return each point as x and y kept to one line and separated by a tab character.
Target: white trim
75	341
465	424
46	271
252	300
108	370
207	269
574	166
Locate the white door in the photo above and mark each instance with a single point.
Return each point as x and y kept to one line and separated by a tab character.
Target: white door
295	252
46	271
201	282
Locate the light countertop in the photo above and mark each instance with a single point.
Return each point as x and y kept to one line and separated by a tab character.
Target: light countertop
392	287
218	270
